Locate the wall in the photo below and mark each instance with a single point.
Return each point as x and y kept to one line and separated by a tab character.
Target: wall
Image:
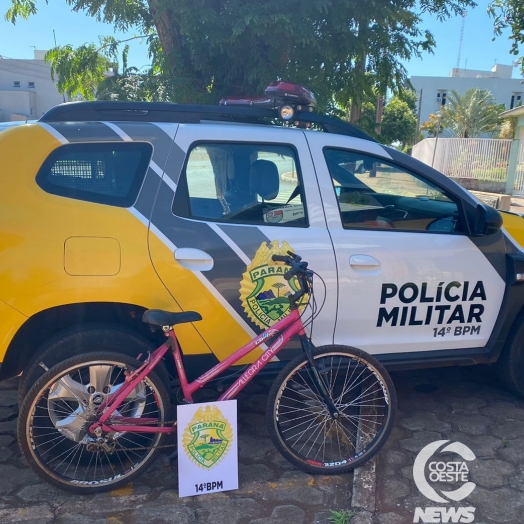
25	101
501	88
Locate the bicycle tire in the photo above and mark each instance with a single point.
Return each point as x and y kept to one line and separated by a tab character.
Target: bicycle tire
51	428
294	399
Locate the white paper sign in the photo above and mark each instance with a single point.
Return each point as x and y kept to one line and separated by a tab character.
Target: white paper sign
207	447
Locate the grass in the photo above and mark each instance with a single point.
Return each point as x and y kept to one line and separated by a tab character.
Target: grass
341	517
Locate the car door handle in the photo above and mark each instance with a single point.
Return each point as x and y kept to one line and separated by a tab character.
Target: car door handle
194	259
363	261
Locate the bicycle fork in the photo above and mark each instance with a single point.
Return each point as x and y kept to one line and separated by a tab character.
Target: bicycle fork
317	378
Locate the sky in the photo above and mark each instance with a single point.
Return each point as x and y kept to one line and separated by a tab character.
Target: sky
478	49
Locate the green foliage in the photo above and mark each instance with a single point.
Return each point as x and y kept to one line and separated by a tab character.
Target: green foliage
367	120
493	173
507	128
88	74
472	114
78	72
341	517
398	122
509	14
209	48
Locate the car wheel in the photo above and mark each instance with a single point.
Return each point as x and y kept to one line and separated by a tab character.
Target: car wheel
510	365
85	338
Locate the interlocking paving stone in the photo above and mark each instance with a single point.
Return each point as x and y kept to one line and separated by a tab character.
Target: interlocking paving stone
394	489
481	415
283	515
28	515
512	450
221	509
391	518
363	518
511	429
424	420
43	493
419	440
484	446
464	408
491	473
163	514
472	424
12	478
499	505
7	413
8	427
503	410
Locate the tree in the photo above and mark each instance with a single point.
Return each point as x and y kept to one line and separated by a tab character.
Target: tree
509	14
472	114
433	125
398	122
278	286
507	128
368	119
209	48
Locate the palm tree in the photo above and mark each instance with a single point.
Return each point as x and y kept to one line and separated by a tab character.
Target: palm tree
472	114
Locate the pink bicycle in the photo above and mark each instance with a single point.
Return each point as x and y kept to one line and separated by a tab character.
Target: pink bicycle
95	421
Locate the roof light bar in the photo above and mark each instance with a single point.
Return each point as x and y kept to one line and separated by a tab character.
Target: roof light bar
286	97
288	92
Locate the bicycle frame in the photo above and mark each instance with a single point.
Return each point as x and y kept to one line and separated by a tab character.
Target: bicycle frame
288	327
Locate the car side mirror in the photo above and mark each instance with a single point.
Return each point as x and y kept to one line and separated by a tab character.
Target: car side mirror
487	221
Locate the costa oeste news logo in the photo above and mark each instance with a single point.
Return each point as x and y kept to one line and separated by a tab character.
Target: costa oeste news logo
444	471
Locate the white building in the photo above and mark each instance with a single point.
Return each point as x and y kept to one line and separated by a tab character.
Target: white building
506	90
26	88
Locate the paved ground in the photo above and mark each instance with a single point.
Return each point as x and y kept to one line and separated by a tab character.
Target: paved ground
459	404
271	490
465	405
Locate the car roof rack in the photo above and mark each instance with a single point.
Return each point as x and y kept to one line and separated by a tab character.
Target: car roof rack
188	114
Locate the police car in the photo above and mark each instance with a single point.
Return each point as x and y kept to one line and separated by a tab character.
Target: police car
111	208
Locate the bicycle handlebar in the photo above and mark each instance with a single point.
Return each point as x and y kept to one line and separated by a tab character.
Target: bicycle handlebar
299	269
290	259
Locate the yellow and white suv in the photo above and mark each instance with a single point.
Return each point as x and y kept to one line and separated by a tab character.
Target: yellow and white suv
111	208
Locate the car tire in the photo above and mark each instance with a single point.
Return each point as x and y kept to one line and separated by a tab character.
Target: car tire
510	365
86	338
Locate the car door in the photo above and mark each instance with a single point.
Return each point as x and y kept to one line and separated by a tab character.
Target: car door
410	277
243	194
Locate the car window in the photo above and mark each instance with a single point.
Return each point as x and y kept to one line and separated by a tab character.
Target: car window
105	173
374	193
242	183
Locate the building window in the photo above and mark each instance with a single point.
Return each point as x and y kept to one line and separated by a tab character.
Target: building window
441	98
31	85
516	100
16	83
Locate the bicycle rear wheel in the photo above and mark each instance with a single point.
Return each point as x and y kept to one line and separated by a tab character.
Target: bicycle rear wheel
299	422
62	404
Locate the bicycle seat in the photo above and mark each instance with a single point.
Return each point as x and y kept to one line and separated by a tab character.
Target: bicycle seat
158	317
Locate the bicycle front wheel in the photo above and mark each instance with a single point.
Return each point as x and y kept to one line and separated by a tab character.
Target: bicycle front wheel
299	421
58	410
